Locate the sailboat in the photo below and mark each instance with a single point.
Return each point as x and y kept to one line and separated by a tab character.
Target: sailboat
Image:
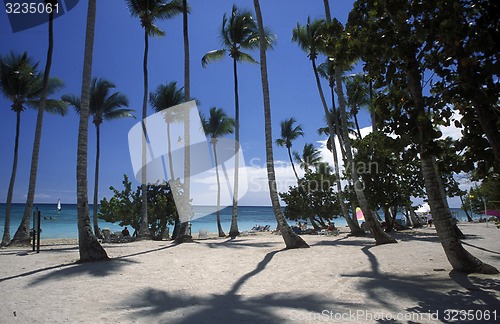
59	205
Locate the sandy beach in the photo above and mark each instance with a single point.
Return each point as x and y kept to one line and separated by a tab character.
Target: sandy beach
252	280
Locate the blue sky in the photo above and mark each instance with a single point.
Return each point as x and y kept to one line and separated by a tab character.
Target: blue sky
118	54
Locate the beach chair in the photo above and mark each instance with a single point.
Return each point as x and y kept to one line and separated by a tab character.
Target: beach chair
107	235
203	234
117	237
266	228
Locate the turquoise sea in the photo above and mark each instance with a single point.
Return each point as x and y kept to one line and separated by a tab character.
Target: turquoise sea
63	224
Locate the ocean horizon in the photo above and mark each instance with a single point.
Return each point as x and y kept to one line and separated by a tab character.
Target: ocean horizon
63	224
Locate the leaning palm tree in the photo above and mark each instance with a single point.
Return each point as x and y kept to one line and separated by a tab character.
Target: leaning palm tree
103	106
88	245
22	233
148	11
238	32
310	157
292	240
341	65
289	133
310	38
23	85
217	125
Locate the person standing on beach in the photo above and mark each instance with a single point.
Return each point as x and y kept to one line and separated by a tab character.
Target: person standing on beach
429	220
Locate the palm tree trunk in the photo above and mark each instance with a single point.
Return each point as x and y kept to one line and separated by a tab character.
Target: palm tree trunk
184	236
414	219
380	236
292	240
332	141
233	231
170	159
293	166
219	226
469	219
357	126
144	226
22	234
185	25
6	232
97	230
89	248
460	259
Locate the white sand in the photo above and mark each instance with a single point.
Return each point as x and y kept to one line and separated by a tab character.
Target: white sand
250	280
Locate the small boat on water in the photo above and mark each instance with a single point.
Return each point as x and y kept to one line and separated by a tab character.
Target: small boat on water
59	205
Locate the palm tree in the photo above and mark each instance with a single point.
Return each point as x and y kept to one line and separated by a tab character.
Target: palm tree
184	236
288	135
103	106
238	32
357	96
22	232
217	125
292	240
88	246
310	157
164	97
23	85
148	11
380	236
310	39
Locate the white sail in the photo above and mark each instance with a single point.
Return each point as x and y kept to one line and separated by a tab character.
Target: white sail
59	205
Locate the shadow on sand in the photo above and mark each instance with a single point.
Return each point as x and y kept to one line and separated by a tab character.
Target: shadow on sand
230	306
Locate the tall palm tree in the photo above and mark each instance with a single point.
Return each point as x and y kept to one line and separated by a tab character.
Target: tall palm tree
103	106
310	157
217	125
238	32
292	240
16	83
89	248
184	236
22	232
288	135
148	11
380	235
23	85
310	38
357	96
166	96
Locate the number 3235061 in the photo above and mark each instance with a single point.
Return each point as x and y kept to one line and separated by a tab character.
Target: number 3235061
30	8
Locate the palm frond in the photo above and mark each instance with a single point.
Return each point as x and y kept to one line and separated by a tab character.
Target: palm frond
244	57
73	101
212	56
57	107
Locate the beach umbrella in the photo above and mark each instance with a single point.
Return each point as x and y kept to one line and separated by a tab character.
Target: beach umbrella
359	214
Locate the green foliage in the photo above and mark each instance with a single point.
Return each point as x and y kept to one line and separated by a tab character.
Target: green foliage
313	197
239	31
489	190
125	207
390	170
21	83
104	105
